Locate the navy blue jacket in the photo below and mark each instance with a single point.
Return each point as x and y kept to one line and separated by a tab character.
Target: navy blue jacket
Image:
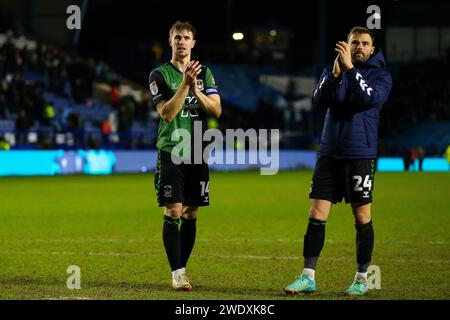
353	104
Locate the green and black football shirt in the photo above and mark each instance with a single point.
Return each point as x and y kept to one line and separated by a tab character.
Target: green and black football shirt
164	81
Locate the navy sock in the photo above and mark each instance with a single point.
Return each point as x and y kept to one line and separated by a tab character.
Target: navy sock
364	245
313	242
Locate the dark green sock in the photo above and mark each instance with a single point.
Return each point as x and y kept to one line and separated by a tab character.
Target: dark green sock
171	239
188	231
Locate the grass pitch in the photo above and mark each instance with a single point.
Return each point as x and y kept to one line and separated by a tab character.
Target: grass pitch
249	241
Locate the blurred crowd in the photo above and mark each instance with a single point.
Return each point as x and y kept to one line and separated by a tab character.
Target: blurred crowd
421	92
80	81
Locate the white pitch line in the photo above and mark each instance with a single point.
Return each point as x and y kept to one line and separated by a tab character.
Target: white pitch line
68	298
228	257
72	253
106	240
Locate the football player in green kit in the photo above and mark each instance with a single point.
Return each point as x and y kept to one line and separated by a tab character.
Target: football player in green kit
185	94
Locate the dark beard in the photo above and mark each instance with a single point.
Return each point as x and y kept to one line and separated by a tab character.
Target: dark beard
354	61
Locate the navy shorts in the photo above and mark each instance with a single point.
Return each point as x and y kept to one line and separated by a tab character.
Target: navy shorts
337	179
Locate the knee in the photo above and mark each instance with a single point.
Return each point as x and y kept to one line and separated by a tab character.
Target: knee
362	213
362	220
190	213
318	214
362	217
173	211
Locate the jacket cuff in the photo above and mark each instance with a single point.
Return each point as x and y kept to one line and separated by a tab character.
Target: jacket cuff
332	80
352	72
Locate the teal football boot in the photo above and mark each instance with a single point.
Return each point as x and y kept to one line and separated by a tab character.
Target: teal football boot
357	288
302	284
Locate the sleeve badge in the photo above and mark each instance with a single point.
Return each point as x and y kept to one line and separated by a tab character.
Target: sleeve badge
154	88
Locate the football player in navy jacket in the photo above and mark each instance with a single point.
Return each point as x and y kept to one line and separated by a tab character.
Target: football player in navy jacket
352	93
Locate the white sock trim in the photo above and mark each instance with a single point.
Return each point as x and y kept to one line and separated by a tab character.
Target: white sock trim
309	272
361	276
177	272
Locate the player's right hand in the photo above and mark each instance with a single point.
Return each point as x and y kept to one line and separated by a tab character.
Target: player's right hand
193	69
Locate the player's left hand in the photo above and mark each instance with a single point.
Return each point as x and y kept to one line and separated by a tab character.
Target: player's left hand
345	57
193	69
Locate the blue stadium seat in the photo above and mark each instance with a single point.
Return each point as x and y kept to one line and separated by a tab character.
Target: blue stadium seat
239	85
7	125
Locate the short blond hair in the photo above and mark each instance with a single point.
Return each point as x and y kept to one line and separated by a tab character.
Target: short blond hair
180	26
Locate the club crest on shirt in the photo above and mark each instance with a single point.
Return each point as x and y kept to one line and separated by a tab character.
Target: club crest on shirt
154	88
200	84
167	191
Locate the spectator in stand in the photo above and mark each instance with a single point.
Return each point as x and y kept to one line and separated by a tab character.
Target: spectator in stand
75	127
143	107
407	159
115	95
81	75
15	91
126	113
23	124
37	108
4	145
420	155
106	130
49	115
414	156
55	72
90	77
